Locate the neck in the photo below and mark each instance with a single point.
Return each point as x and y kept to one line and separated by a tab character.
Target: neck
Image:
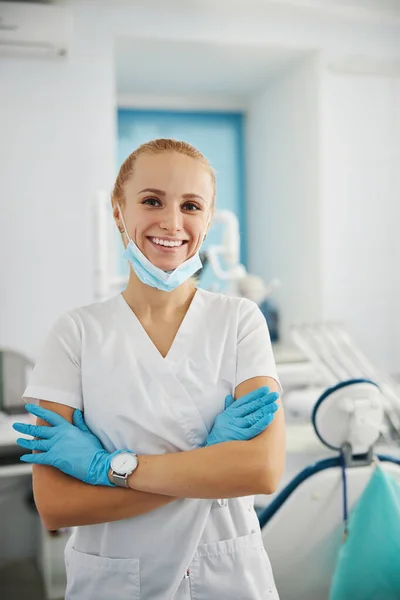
148	302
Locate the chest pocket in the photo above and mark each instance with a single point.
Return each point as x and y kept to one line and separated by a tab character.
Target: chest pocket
93	577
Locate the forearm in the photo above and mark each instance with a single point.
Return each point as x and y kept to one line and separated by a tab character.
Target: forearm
226	470
63	501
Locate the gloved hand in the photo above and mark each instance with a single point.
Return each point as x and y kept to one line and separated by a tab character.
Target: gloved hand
245	418
73	449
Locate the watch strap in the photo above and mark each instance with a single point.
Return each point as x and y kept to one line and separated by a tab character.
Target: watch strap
120	480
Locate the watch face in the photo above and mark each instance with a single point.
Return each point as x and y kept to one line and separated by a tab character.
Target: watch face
124	463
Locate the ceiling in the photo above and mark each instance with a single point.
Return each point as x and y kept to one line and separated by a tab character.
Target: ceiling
346	4
343	7
191	68
183	68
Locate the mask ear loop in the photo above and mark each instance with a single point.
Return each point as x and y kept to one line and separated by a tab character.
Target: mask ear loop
207	226
121	216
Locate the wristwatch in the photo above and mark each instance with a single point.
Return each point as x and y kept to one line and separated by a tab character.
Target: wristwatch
122	465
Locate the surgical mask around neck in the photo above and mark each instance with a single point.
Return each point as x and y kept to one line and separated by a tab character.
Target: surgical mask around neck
153	276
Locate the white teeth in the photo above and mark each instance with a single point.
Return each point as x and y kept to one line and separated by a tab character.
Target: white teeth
169	243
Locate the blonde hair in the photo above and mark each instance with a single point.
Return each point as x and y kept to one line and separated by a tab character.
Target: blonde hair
157	147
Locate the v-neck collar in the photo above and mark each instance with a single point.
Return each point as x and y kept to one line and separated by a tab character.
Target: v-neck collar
183	338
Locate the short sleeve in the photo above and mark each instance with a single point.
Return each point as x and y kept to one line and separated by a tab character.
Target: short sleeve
254	349
56	376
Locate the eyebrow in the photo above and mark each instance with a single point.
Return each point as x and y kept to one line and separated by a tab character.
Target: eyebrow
162	193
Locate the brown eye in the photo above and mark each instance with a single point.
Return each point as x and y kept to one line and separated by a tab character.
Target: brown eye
151	201
191	207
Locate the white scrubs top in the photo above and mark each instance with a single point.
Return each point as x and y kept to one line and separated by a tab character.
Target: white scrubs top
99	359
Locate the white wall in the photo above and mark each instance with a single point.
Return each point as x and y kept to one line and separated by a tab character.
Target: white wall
57	146
323	200
283	190
361	210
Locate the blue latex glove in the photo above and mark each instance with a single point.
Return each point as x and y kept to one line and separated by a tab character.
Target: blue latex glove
72	449
245	418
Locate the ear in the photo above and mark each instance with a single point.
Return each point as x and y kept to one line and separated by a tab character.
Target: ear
115	212
117	217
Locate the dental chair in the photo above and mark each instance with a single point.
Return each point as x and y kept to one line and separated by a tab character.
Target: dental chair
303	527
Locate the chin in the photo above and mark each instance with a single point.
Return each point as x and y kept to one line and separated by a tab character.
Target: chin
167	265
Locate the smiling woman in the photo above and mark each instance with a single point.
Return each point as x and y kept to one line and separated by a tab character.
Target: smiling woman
155	371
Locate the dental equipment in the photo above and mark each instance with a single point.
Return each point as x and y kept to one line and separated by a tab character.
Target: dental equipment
331	349
303	525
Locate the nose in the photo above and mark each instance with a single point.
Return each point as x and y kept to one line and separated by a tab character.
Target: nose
171	220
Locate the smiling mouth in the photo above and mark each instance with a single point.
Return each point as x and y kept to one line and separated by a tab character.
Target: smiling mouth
167	243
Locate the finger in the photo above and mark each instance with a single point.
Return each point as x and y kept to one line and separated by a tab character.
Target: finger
39	431
261	425
37	459
229	400
260	414
41	445
45	414
78	420
254	405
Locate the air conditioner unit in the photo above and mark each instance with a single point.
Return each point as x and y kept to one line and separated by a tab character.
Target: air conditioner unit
34	29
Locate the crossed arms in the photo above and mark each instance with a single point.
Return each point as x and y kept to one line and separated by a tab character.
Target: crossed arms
226	470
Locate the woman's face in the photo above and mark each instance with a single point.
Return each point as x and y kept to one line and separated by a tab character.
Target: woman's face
168	206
